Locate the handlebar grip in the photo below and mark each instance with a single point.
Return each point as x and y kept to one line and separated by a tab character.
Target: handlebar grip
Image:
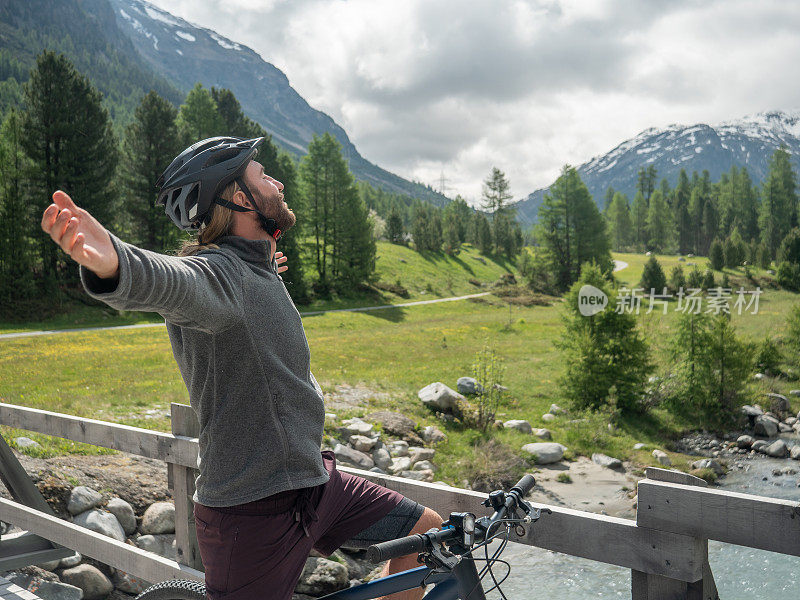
394	548
525	485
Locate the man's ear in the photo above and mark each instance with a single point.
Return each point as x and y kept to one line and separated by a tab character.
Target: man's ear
240	199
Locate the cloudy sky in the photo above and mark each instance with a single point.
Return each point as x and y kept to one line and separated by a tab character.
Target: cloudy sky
425	87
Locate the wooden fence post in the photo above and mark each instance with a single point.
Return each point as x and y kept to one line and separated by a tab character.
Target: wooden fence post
657	587
181	480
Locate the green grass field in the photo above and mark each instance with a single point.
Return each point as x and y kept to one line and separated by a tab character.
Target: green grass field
120	375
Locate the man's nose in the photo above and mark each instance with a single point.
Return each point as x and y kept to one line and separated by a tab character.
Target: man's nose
277	183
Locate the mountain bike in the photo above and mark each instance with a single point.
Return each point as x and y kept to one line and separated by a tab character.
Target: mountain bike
447	555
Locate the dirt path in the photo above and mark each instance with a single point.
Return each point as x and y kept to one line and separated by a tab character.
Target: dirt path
619	265
22	334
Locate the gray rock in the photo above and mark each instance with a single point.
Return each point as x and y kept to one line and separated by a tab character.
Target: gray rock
70	561
433	435
784	428
468	386
759	376
416	453
423	465
759	446
377	470
790	421
542	434
162	544
662	457
778	402
547	417
82	498
352	457
56	590
355	426
398	448
794	453
519	424
752	411
606	461
158	518
639	446
381	458
766	426
709	463
555	409
130	584
322	576
101	521
426	475
401	463
778	449
794	393
440	397
124	513
24	443
356	569
745	441
545	452
362	443
90	579
393	423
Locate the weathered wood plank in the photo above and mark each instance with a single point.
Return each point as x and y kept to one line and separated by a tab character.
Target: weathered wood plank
753	521
133	560
596	537
655	587
180	450
184	422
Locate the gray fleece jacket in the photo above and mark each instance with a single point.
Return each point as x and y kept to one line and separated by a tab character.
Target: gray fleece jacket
242	351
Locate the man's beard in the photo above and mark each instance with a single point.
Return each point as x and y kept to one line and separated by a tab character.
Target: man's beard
274	208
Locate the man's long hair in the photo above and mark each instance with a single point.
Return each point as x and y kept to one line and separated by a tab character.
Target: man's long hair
220	225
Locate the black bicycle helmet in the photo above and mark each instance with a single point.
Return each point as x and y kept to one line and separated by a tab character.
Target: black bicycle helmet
191	183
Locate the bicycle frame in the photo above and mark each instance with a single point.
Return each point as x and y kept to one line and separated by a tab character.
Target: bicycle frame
462	582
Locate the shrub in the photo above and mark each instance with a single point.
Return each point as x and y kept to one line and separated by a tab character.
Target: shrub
716	255
488	370
492	465
764	256
653	277
677	279
708	280
564	478
768	357
788	276
695	279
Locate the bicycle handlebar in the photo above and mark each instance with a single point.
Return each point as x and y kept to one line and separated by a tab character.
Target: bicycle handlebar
525	485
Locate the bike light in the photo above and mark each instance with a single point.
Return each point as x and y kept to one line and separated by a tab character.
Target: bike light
466	523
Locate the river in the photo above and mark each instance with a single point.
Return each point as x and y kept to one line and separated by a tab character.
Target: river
740	573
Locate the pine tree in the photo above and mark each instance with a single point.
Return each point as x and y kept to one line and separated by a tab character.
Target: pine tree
452	245
483	233
394	227
151	142
680	209
619	222
496	192
459	211
789	250
661	231
779	200
354	246
735	250
608	199
717	256
639	220
199	117
653	278
677	280
68	136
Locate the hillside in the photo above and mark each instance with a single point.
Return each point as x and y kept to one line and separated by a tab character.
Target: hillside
746	142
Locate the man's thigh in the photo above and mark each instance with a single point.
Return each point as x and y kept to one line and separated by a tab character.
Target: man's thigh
398	523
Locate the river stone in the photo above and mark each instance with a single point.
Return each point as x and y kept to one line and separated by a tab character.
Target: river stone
606	461
433	435
362	443
321	576
158	518
70	561
468	386
124	513
751	411
745	441
777	449
542	434
355	426
784	428
709	463
162	544
440	397
398	448
794	453
545	452
401	463
82	498
130	584
381	458
519	424
101	521
790	421
26	442
766	426
639	446
547	417
90	579
393	423
423	465
662	457
350	456
417	453
555	409
778	402
426	475
759	446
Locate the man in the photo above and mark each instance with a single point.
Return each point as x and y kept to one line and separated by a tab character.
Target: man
265	494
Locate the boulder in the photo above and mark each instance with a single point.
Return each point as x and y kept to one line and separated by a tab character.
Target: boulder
433	435
439	397
321	576
542	434
356	569
423	465
352	457
398	448
709	463
83	498
158	518
547	417
759	446
790	421
416	453
381	458
794	453
101	521
402	463
393	423
130	584
777	449
751	411
778	403
90	579
124	513
355	426
545	452
468	386
555	409
162	544
766	426
606	461
662	457
784	428
70	561
795	393
426	475
520	425
362	443
24	443
745	441
639	446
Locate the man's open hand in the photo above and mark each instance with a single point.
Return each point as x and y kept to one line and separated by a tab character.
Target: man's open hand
280	259
81	236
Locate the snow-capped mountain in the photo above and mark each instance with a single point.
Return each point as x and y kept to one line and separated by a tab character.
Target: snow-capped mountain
186	54
746	142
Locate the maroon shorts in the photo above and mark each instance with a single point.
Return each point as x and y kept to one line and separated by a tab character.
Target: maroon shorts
258	550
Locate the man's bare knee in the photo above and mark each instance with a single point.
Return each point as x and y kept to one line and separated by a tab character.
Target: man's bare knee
430	519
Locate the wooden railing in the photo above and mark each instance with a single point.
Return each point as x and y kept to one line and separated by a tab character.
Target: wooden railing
666	547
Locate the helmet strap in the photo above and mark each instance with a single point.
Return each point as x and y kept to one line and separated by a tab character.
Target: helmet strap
267	224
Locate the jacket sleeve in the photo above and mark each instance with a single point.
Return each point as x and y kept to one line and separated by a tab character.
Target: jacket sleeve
200	292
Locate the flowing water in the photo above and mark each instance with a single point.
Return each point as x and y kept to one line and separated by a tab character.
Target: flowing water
740	573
